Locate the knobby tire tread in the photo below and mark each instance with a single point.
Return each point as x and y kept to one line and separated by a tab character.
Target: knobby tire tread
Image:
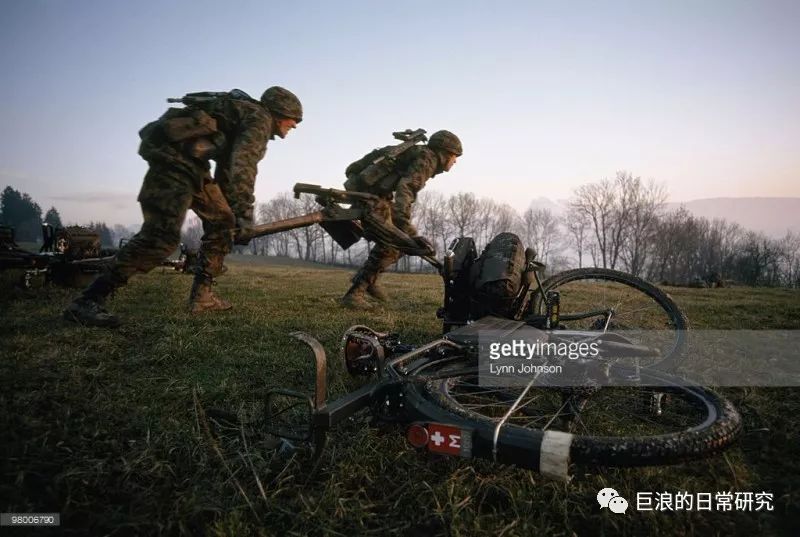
615	451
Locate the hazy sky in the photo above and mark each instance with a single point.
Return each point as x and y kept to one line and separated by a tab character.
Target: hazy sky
703	96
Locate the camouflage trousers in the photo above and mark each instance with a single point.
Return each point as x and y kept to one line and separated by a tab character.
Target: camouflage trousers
380	257
167	194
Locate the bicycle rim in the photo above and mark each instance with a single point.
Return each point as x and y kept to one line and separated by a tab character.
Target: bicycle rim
639	310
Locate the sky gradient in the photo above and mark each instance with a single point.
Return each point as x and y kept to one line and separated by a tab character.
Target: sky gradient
702	96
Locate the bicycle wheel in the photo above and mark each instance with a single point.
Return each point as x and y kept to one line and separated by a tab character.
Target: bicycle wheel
620	302
617	426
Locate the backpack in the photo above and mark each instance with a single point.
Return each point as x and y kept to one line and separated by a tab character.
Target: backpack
361	164
376	171
181	124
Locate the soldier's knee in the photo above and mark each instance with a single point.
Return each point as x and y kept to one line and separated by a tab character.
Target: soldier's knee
156	239
218	241
143	256
222	222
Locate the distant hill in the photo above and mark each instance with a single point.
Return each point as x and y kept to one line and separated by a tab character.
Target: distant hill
772	216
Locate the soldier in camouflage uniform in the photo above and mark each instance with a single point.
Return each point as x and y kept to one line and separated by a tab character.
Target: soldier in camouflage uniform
230	128
399	189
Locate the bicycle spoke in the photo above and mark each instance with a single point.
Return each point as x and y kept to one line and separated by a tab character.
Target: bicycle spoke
610	411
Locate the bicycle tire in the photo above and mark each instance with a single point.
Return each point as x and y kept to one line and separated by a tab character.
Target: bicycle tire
522	446
674	319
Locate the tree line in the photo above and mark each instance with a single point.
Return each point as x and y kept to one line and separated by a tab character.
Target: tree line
618	223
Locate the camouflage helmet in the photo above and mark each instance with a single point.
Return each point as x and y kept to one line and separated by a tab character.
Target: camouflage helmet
283	103
446	141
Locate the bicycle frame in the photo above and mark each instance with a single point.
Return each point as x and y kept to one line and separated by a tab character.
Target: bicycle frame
394	397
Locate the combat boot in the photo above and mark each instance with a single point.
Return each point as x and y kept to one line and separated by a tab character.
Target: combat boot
354	298
88	308
202	298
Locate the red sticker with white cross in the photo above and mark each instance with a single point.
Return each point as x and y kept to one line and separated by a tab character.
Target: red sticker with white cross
444	439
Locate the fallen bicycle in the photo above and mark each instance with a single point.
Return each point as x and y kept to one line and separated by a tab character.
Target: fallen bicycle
621	408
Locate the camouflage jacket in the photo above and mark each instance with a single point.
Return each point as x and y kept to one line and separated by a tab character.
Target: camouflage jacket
244	128
412	170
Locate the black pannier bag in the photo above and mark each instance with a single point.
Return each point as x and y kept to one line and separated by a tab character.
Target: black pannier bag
457	291
486	285
496	277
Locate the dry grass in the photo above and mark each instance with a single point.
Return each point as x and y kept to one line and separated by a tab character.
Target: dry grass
110	427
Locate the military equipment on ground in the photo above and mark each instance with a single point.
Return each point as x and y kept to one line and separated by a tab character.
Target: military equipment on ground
70	256
76	242
14	257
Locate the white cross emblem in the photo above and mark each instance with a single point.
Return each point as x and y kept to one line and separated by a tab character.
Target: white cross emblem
437	438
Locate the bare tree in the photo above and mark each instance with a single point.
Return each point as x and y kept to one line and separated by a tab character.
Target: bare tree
718	246
433	218
462	211
597	202
642	205
311	234
279	208
541	231
621	214
494	218
757	260
577	225
790	250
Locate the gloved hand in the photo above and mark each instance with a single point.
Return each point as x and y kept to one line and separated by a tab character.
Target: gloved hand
244	229
425	243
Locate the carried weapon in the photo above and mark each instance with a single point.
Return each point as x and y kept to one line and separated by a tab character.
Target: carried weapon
205	96
346	225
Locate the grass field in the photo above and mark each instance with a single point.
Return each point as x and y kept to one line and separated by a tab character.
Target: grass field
102	426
